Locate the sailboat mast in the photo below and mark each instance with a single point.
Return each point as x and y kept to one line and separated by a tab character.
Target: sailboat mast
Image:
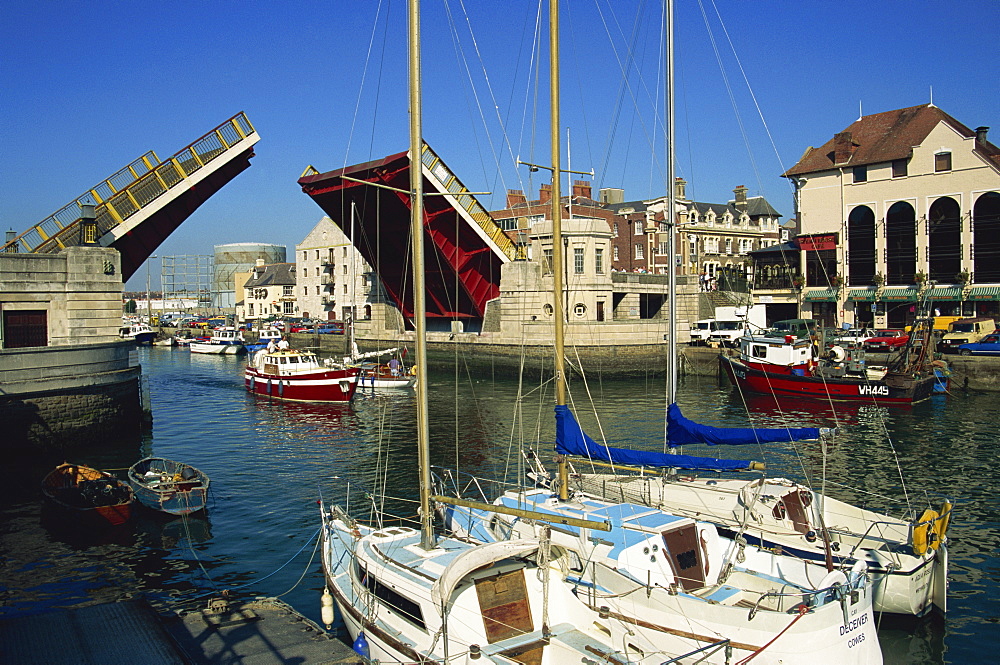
671	212
417	248
557	250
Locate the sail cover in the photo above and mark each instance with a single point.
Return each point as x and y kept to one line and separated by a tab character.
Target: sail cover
682	432
572	440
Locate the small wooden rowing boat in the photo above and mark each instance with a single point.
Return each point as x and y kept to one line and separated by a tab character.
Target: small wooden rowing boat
170	487
84	491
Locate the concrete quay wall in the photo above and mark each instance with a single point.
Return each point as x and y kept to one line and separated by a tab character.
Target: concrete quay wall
59	398
616	360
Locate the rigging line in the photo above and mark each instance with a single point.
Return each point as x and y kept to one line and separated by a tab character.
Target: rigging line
470	87
493	98
752	95
305	570
624	85
364	75
729	91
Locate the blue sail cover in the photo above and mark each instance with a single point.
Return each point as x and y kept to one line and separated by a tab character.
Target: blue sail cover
682	432
572	440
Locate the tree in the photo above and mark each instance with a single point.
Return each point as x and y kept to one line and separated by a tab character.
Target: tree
130	307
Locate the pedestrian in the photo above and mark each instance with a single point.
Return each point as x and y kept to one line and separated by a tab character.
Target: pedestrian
283	344
270	345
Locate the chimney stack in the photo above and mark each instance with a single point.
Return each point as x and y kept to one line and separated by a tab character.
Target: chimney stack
741	198
545	193
516	197
680	188
843	147
581	188
981	134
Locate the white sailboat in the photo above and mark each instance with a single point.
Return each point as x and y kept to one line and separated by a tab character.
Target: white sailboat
667	574
407	596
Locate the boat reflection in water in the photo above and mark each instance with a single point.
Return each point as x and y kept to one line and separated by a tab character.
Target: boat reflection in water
169	532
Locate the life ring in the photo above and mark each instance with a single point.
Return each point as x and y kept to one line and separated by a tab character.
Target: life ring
413	370
941	526
922	530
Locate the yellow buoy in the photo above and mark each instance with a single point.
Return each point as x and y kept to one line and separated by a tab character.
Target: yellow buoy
922	531
326	608
941	526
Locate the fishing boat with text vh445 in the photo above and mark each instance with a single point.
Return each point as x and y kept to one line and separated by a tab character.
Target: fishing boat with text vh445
786	366
299	376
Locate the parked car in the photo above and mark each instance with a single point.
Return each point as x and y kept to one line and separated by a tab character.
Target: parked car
855	336
330	328
887	340
966	331
987	346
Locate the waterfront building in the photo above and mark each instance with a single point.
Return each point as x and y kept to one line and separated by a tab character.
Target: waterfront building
238	258
270	292
334	282
66	377
897	205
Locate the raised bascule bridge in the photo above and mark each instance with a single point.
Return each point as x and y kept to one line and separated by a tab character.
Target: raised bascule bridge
143	203
464	248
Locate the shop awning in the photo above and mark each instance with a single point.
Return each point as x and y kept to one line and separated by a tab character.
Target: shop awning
906	294
984	293
862	295
821	295
945	293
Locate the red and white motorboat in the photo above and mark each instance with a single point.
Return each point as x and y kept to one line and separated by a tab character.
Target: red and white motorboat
299	376
784	365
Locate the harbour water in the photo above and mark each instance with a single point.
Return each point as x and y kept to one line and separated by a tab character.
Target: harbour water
270	461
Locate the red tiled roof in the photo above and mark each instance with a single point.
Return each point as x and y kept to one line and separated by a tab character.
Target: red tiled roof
883	137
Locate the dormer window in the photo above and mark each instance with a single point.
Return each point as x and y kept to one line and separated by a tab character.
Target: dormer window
899	168
942	161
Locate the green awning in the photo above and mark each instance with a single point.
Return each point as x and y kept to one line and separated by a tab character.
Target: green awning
945	293
905	294
862	295
821	295
984	293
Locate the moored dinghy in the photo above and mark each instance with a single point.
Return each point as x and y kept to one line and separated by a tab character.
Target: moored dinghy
167	486
83	491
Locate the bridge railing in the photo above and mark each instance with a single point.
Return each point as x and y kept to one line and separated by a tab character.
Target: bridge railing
131	189
467	201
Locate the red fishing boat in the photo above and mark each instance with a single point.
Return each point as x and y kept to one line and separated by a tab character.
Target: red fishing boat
299	376
787	366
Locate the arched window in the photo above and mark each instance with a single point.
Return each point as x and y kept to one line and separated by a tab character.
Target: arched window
901	243
986	238
861	246
944	240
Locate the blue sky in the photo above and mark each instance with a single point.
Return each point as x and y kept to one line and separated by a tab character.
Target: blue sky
88	87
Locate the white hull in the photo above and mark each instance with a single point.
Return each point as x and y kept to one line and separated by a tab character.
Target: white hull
494	603
217	349
905	582
838	627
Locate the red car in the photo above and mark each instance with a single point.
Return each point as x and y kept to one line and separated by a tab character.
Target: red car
886	340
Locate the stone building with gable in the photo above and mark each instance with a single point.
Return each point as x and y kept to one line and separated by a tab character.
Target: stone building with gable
899	205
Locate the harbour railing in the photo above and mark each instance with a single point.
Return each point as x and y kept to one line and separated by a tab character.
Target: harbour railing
128	191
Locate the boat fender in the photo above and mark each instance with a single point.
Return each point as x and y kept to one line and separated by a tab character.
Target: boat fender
923	532
251	383
941	526
269	386
281	388
326	608
838	354
360	645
